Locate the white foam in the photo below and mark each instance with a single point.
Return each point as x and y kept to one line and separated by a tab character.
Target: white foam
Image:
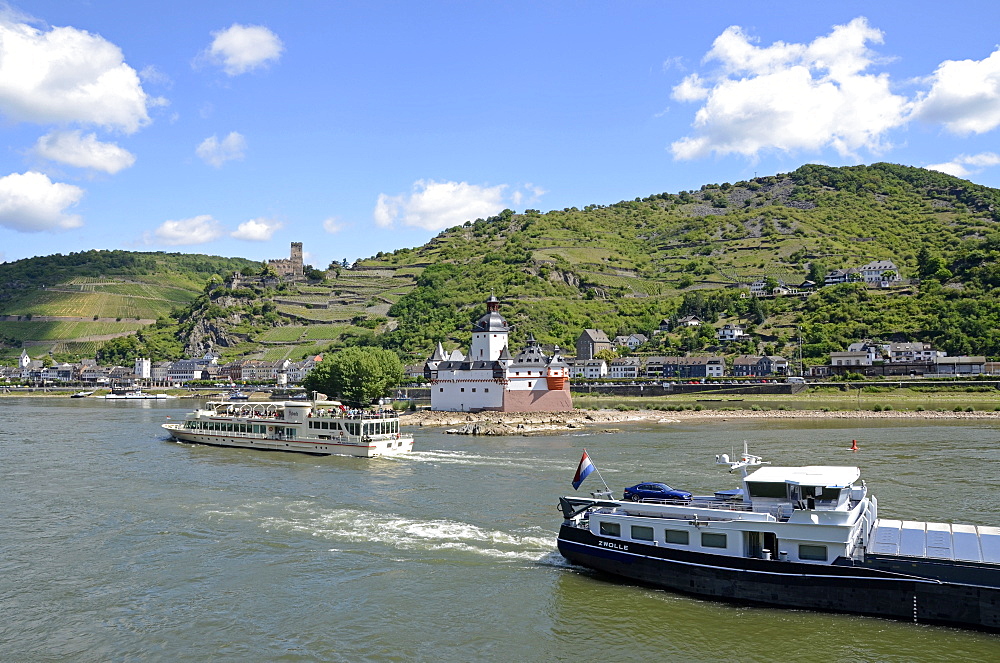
352	525
466	458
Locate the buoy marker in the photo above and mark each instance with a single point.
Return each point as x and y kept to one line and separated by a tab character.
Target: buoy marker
854	445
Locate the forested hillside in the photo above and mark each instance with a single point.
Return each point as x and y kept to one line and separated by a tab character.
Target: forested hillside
622	267
625	267
71	305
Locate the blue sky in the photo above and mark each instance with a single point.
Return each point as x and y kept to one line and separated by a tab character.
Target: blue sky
235	127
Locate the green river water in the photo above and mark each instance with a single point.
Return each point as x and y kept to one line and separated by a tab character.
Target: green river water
119	545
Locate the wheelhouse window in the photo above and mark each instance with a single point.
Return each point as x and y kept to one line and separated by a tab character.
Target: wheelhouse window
711	540
642	533
677	536
812	553
766	489
610	529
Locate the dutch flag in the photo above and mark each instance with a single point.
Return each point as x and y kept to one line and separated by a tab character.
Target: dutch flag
584	470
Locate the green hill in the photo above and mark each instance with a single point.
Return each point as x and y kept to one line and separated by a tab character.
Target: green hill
72	304
622	267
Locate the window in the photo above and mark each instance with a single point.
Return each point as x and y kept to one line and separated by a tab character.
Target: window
463	390
642	533
709	540
487	390
678	536
814	553
473	390
441	389
610	529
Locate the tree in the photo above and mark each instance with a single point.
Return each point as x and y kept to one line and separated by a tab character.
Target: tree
358	375
817	272
606	354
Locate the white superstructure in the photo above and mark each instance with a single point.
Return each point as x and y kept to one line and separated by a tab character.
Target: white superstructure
315	427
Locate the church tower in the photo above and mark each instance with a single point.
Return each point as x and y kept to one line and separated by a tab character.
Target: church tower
489	334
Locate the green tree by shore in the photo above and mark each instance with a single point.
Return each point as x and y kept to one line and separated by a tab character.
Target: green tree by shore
357	375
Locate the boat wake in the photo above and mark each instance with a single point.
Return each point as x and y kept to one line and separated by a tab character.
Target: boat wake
473	459
342	527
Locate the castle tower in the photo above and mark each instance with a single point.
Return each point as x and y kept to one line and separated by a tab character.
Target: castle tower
297	259
489	334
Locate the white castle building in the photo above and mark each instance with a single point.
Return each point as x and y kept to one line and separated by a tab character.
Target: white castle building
490	379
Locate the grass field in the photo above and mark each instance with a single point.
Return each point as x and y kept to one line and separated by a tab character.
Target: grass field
283	334
44	331
89	304
339	314
821	398
325	332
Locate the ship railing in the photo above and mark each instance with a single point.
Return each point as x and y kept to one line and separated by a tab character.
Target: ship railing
353	416
701	503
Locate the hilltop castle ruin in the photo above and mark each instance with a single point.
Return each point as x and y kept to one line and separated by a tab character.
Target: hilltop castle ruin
289	269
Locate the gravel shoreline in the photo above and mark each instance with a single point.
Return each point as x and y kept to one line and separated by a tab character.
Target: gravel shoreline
527	423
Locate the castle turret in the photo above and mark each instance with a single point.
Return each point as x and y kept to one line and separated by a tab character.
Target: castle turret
489	334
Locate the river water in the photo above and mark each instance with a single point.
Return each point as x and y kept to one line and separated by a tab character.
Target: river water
119	545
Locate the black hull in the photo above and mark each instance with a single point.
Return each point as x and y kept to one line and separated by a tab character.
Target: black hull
840	587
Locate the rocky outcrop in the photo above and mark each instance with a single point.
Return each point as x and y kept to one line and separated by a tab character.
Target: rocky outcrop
207	334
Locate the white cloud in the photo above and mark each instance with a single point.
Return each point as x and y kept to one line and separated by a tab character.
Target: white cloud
31	202
256	230
68	75
151	74
438	205
242	48
81	151
196	230
215	152
964	95
967	164
527	194
333	225
791	96
690	89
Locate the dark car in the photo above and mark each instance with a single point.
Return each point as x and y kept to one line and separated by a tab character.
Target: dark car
654	491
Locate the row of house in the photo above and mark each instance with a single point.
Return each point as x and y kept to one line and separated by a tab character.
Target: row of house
657	368
161	373
903	359
881	272
592	341
877	272
867	353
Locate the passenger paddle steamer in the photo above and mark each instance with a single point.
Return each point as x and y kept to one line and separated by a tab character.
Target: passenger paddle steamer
318	427
793	537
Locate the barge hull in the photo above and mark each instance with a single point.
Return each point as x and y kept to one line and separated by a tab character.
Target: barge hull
840	587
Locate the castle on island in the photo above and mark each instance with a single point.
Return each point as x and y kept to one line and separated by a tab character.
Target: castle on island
490	379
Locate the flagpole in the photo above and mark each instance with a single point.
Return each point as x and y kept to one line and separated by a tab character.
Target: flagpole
598	472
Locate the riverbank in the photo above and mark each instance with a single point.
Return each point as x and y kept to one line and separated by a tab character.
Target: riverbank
522	423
